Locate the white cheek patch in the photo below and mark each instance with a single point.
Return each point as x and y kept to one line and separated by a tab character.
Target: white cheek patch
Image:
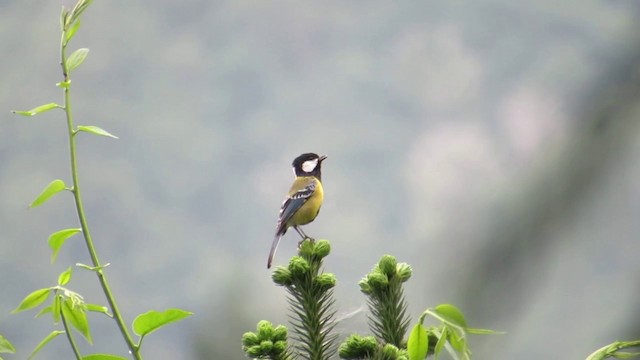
309	165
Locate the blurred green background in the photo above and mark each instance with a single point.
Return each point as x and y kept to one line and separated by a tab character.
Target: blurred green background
494	145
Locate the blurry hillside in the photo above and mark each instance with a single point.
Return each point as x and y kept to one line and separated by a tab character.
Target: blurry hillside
493	146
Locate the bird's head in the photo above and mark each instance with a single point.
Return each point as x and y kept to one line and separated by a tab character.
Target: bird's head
308	164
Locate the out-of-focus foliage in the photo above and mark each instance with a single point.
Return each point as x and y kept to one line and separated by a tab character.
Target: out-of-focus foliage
492	145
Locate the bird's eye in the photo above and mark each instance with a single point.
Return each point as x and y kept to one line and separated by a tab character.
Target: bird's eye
309	165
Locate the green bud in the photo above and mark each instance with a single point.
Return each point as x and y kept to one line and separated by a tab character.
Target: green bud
376	268
326	280
322	248
357	347
404	271
250	339
387	265
254	351
365	287
279	347
265	330
266	346
305	248
298	267
403	355
369	343
280	333
390	351
378	281
281	276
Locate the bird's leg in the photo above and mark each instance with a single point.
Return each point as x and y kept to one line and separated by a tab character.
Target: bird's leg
304	236
299	230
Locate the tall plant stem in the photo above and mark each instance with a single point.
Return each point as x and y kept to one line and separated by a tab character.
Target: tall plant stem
98	268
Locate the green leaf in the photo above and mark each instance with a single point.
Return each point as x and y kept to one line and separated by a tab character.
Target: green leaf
96	130
98	308
458	342
78	9
32	300
103	357
625	355
53	188
5	346
37	110
451	314
44	342
63	18
75	314
64	278
153	320
72	30
483	331
56	308
76	58
418	343
57	239
44	310
442	340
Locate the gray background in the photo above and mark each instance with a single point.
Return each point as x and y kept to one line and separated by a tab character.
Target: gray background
493	145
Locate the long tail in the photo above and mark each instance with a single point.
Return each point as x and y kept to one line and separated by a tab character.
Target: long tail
274	247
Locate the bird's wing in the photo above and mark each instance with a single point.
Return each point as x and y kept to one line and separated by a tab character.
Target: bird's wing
292	204
289	207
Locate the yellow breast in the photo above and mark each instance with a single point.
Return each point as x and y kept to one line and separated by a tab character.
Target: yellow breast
308	212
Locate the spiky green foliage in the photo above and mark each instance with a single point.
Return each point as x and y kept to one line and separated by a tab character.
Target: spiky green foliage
383	286
310	299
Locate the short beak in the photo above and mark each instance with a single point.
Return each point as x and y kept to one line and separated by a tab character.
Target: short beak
322	157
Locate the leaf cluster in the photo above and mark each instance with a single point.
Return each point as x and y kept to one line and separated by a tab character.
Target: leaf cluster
66	305
389	322
451	334
69	307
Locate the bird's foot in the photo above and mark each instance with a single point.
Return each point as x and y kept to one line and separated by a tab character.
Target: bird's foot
306	238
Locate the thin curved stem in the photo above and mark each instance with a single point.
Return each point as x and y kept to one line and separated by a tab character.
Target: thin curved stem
80	208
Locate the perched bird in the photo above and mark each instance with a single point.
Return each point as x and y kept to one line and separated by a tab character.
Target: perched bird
303	201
